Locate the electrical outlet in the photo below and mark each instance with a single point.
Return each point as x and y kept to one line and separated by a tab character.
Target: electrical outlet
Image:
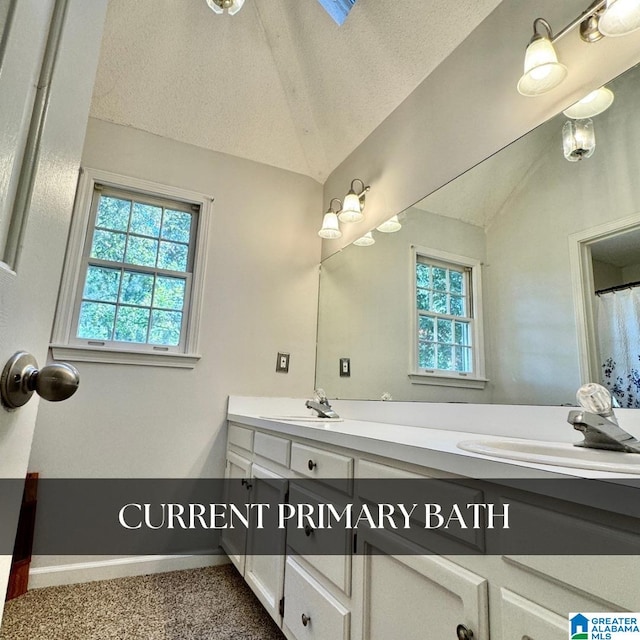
345	367
282	363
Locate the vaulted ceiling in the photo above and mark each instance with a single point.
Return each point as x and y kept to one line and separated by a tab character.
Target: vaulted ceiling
279	83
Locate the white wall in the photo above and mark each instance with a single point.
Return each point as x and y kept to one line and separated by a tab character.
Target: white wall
365	308
260	298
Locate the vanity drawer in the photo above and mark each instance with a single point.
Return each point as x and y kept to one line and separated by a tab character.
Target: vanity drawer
272	448
328	550
323	465
379	483
240	437
310	611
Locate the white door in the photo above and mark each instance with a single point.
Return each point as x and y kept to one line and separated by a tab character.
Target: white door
46	79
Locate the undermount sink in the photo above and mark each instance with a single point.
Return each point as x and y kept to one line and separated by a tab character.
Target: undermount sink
306	418
560	454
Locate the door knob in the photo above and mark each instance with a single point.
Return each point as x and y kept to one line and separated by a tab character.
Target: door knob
21	377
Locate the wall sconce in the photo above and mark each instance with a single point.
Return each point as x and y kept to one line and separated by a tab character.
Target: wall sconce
390	226
578	139
231	6
543	71
330	227
365	241
353	203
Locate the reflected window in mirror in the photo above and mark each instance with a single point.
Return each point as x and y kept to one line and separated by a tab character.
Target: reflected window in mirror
447	331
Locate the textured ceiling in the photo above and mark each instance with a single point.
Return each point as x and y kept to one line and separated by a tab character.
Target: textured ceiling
279	82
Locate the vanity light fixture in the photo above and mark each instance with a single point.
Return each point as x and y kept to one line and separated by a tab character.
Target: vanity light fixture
353	203
390	226
578	139
591	105
330	227
365	241
543	71
231	6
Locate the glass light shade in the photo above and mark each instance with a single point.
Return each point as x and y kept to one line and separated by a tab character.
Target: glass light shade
578	139
542	71
591	105
620	17
366	241
219	6
351	210
330	227
390	226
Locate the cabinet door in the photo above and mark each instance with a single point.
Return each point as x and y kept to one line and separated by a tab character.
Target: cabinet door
417	596
234	541
264	569
526	620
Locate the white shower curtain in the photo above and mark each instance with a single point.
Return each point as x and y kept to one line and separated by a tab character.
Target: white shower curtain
618	315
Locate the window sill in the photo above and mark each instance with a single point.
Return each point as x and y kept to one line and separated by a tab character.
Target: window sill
443	380
76	353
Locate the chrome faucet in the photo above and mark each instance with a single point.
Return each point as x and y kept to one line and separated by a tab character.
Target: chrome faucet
598	423
320	404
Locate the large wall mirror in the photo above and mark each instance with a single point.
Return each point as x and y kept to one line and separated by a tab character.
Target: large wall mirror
474	298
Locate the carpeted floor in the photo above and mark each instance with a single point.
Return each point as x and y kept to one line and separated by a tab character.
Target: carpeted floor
198	604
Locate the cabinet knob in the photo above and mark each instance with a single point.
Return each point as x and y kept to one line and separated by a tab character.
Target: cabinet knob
312	465
462	633
245	483
305	620
308	530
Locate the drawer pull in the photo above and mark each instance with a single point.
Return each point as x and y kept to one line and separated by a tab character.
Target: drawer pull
305	620
312	465
462	633
308	530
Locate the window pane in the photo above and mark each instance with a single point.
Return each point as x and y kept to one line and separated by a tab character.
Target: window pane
108	246
456	282
457	306
169	293
462	334
445	357
96	321
165	327
145	219
136	288
463	359
142	251
102	284
113	213
425	329
132	324
176	226
423	300
173	256
439	279
439	302
426	355
444	330
422	275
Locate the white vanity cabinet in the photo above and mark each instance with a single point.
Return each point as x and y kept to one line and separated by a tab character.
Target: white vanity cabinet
401	590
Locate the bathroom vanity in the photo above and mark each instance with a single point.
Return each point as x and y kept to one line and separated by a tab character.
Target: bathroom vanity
419	594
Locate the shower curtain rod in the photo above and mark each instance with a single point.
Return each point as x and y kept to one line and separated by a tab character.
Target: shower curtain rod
620	287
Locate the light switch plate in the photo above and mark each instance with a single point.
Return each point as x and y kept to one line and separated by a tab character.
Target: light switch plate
345	367
282	363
